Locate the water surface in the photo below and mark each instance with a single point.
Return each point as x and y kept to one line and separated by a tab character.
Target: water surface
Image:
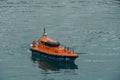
89	26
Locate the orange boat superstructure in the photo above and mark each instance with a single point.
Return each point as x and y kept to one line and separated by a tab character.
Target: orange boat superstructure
49	48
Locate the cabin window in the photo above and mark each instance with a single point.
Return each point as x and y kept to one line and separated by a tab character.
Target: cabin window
51	44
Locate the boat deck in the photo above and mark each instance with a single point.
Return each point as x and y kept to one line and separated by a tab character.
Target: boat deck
57	51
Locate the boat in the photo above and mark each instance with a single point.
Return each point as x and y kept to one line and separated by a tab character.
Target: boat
51	49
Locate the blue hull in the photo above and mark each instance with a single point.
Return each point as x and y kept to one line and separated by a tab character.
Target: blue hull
53	65
53	57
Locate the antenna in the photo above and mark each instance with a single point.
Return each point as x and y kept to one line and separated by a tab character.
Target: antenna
44	33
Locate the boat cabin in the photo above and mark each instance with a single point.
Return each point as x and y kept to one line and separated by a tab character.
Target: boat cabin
50	44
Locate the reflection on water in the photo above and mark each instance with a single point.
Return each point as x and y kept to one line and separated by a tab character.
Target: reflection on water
47	64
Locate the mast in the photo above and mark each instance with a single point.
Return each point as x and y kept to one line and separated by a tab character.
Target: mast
44	33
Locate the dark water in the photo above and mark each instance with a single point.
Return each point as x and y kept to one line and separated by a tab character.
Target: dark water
89	26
